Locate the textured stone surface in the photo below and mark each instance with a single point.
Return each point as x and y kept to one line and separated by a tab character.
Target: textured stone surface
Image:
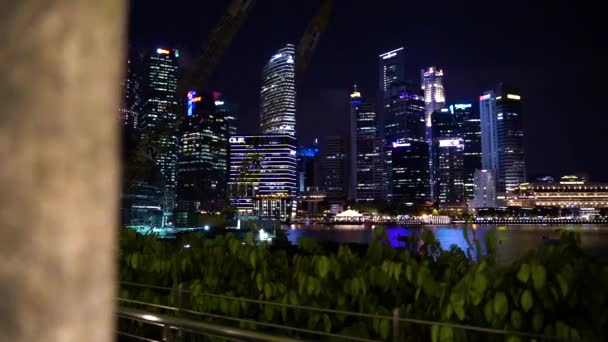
60	62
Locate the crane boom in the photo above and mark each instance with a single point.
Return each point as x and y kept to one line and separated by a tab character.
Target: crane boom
311	36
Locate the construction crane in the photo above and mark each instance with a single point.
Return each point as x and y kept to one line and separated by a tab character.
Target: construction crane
311	36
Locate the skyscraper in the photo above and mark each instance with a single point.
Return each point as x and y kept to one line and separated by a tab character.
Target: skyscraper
391	69
335	168
308	167
510	134
461	121
403	121
489	140
450	172
263	174
131	99
410	171
369	154
203	159
158	117
278	94
485	189
502	136
431	81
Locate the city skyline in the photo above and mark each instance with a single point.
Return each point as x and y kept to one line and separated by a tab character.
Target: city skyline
526	64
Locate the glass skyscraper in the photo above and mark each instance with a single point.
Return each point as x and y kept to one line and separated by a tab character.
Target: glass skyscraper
335	167
502	136
203	159
263	175
158	116
391	69
431	81
410	171
278	94
450	172
369	154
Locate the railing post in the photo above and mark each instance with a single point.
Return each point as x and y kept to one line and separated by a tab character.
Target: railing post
180	303
167	333
396	325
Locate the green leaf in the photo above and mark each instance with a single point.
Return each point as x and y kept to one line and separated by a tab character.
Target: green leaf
409	273
516	319
562	330
501	305
326	323
480	284
457	300
435	333
563	284
524	273
259	281
448	312
385	328
446	334
537	321
512	338
539	276
322	266
527	300
488	311
267	290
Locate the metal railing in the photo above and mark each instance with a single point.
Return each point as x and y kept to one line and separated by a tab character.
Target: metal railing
395	319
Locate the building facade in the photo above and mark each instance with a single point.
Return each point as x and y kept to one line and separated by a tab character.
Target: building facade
278	94
335	168
263	176
391	67
410	171
485	189
131	99
308	167
570	192
431	81
502	136
203	159
450	172
158	122
369	147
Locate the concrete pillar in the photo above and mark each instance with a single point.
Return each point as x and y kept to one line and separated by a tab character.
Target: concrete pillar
60	67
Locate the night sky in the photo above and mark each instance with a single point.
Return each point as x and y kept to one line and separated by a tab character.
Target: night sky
552	51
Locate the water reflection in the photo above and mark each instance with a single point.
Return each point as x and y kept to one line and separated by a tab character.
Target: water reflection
512	241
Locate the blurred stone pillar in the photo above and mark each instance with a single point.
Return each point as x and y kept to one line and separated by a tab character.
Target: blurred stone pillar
60	67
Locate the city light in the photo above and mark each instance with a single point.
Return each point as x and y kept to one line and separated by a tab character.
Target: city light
484	97
163	51
451	143
397	144
463	106
513	97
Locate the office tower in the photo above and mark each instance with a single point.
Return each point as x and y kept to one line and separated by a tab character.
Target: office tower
263	176
158	118
203	160
502	136
461	121
308	167
410	171
355	100
450	172
510	135
141	204
489	140
391	69
485	189
131	98
403	121
278	94
335	167
369	149
431	81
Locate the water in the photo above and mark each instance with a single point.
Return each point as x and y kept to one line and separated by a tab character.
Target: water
514	240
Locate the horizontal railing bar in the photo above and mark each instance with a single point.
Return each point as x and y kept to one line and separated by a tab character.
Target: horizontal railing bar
360	314
270	325
200	327
135	336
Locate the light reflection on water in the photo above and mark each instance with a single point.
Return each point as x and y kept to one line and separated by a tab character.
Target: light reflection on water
513	241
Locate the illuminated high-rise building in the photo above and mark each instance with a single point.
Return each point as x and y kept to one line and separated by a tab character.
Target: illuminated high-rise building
131	99
335	167
203	159
262	179
410	171
308	167
461	121
403	121
369	149
391	69
158	116
450	172
278	94
485	189
502	136
431	81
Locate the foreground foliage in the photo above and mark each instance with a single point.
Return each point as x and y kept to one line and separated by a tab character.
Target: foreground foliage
556	290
